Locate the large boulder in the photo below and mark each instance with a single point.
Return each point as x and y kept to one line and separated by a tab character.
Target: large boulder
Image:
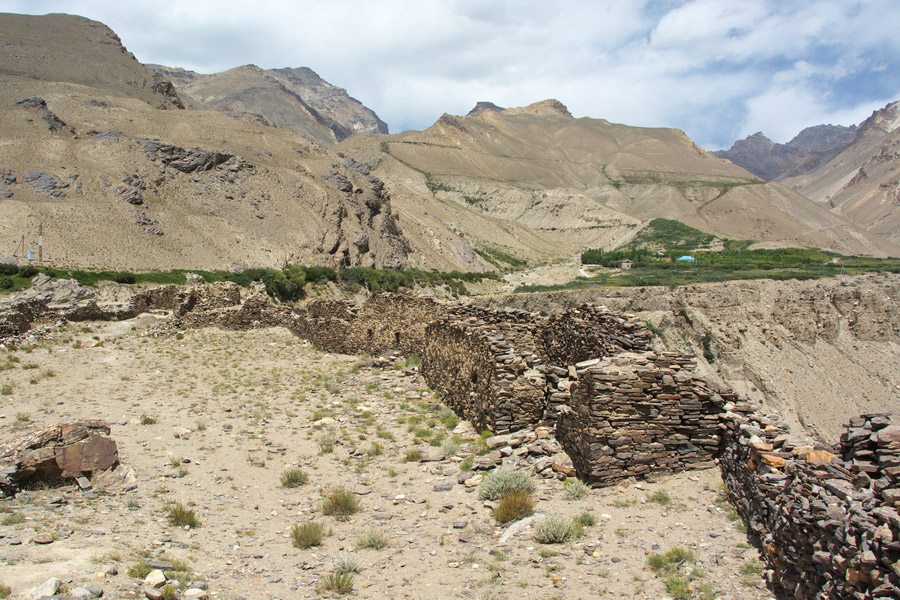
55	453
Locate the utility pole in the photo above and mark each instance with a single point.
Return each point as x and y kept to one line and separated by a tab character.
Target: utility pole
41	243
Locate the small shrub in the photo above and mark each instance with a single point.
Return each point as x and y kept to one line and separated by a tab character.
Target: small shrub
139	570
307	535
148	420
669	561
449	447
514	506
291	478
574	489
6	283
373	539
6	389
467	463
169	592
23	417
8	269
28	271
706	343
501	483
339	583
346	563
340	503
554	529
326	441
5	591
586	519
179	515
661	497
413	455
374	450
12	519
679	587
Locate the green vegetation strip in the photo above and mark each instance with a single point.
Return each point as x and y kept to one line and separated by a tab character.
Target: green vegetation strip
287	283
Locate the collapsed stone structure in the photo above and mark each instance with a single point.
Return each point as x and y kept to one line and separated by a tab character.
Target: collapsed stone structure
826	519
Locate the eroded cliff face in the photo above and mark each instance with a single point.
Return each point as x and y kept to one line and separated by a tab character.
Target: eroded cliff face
818	352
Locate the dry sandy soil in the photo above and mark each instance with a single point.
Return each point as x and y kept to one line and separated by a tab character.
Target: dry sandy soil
262	401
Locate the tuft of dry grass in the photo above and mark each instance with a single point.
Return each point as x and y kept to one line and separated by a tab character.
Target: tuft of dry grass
340	503
514	506
307	535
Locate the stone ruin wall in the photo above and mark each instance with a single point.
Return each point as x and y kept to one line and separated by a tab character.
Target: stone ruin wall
487	373
826	519
635	414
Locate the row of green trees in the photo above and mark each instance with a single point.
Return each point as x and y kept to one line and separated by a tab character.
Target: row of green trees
287	283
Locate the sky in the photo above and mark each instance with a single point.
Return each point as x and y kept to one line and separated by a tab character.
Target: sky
718	69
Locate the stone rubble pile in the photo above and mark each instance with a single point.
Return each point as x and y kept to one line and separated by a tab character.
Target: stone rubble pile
534	450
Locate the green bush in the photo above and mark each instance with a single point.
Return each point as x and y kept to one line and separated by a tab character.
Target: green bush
574	489
28	271
373	539
179	515
669	561
706	343
339	583
8	269
6	283
291	478
124	277
502	483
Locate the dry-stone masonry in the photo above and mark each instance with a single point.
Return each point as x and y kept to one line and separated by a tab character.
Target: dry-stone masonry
825	519
633	414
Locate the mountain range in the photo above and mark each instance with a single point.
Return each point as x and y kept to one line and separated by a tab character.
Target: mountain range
146	166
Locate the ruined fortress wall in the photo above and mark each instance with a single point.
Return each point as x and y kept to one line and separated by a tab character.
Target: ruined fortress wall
827	524
487	373
826	520
588	332
630	416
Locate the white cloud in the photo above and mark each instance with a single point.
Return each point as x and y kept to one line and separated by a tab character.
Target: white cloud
715	69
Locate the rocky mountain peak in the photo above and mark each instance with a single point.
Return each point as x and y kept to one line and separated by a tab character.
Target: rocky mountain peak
807	150
483	106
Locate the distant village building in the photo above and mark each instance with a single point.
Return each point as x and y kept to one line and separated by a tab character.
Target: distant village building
625	264
686	258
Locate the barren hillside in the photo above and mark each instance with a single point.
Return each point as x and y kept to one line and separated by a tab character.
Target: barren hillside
297	99
862	183
571	183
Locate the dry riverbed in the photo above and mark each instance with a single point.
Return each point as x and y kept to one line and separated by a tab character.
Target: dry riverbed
212	419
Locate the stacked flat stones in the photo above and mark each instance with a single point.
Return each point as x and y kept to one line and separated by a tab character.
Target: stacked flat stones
827	522
634	414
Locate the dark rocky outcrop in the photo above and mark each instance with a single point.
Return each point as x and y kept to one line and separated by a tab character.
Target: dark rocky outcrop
188	160
54	123
483	106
